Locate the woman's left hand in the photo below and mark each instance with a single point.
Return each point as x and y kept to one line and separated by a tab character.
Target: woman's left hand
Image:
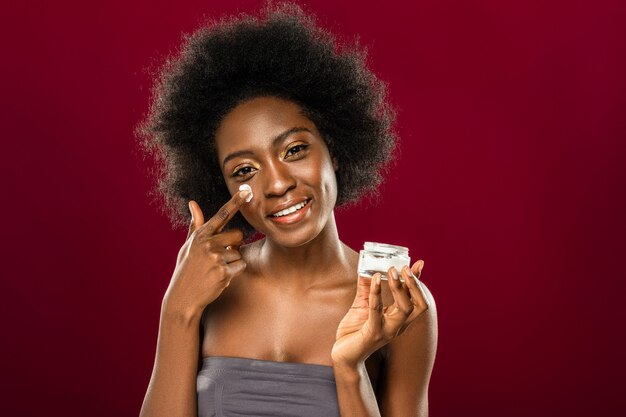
369	325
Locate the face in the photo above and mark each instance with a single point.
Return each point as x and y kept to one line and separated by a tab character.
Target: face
267	143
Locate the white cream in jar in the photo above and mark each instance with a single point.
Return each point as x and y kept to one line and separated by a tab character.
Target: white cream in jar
379	257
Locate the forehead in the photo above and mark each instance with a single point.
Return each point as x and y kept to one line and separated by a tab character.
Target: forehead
255	122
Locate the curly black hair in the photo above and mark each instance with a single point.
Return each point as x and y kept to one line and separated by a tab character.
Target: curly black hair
281	53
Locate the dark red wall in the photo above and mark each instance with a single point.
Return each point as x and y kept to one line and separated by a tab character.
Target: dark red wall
510	187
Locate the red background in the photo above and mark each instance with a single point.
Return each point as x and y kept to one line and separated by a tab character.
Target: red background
510	187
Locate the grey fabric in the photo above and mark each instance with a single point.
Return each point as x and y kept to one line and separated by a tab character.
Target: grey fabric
243	387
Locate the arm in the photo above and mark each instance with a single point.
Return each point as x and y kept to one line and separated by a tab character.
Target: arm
354	391
404	384
204	268
408	327
172	388
410	360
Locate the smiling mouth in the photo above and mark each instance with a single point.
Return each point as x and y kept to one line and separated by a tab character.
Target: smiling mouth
290	210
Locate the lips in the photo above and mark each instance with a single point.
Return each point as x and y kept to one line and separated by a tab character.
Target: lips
293	218
286	204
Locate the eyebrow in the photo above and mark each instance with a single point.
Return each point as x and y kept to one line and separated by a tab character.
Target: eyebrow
279	138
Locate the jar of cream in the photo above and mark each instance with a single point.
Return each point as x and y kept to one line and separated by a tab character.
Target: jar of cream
379	257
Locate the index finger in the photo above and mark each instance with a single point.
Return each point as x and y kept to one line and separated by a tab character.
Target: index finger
216	223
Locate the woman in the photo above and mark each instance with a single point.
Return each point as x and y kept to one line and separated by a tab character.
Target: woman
279	326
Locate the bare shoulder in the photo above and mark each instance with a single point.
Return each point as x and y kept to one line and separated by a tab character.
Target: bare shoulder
432	306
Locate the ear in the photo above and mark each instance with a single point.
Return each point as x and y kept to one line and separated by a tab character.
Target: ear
335	163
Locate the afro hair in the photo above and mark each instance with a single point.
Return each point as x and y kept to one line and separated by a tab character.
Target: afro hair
282	53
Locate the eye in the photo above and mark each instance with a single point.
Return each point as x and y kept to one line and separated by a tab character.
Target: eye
297	149
242	172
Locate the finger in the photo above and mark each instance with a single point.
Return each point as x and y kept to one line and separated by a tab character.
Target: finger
197	218
418	297
216	223
400	292
412	284
234	269
403	306
230	255
417	268
375	317
362	292
232	238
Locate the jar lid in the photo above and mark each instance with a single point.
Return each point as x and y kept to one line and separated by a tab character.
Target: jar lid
386	248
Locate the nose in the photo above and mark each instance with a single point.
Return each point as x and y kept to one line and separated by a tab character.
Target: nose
278	179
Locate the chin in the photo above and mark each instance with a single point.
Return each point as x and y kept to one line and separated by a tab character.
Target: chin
292	241
293	238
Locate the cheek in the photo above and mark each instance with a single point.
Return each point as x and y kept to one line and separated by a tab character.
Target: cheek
251	211
331	186
319	174
248	210
328	183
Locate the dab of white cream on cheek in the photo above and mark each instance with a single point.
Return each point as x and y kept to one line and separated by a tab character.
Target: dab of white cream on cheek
247	187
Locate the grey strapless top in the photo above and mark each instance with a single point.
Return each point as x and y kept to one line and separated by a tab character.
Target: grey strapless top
229	387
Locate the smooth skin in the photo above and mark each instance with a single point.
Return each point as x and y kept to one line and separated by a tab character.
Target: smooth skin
292	295
204	268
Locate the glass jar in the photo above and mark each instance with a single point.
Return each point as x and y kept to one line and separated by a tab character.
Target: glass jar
379	257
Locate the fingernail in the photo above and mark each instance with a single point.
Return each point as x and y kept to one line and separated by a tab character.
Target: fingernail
247	195
421	266
378	279
190	211
394	273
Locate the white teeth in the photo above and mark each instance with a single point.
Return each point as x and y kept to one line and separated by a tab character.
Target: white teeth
291	209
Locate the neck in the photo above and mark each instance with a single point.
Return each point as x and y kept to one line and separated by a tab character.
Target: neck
304	266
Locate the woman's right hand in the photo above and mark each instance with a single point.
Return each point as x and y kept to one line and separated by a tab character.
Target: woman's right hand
207	261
